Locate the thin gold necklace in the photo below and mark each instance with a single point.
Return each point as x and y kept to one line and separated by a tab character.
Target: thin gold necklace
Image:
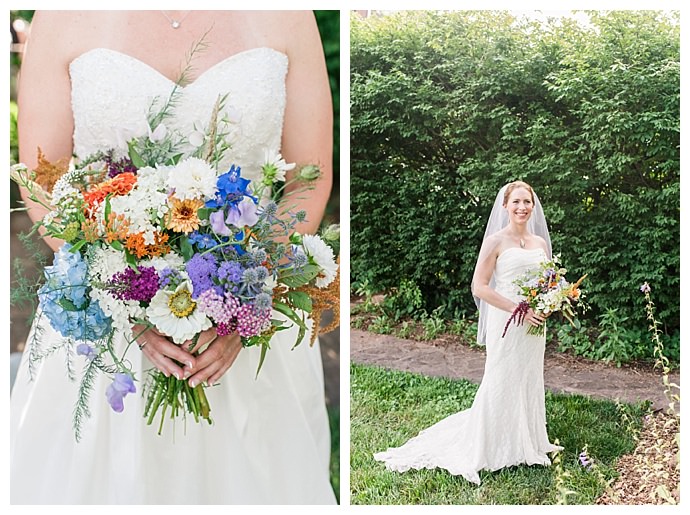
175	24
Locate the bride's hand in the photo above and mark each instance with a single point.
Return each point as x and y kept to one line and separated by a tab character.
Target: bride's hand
216	359
161	352
534	318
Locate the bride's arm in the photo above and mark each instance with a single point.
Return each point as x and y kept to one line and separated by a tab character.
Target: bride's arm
308	126
482	277
44	102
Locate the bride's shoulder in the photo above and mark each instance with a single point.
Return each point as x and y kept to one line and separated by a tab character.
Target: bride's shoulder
496	243
57	37
541	241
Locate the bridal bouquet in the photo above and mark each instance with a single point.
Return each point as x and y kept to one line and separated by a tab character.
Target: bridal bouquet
163	238
546	291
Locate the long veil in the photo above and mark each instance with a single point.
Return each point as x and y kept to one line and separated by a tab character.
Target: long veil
498	219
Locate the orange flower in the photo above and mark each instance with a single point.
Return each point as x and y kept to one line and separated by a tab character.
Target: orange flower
136	245
119	185
183	215
46	173
116	228
90	229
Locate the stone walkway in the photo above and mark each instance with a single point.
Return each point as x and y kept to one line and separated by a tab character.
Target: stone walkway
562	373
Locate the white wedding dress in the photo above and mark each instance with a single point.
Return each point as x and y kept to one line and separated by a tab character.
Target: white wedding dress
506	424
270	441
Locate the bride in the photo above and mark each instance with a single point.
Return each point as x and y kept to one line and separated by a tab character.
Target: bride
87	80
506	424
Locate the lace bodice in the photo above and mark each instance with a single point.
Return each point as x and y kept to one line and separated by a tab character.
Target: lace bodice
512	263
112	93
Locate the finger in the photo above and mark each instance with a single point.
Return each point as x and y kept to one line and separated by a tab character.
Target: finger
215	361
205	339
160	351
214	378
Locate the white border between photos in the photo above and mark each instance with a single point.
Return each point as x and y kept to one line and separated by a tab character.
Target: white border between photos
345	7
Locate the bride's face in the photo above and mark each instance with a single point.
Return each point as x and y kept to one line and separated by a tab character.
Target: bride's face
519	205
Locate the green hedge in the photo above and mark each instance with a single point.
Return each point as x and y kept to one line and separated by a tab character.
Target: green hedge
447	107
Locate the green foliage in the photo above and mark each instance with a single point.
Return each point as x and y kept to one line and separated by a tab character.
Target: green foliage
387	408
329	28
448	107
404	301
334	422
433	324
381	325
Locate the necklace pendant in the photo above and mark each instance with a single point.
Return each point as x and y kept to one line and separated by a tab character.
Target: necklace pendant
175	24
522	243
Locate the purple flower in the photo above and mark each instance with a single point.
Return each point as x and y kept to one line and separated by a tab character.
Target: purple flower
90	352
119	166
170	277
202	268
645	288
130	284
115	393
243	213
218	226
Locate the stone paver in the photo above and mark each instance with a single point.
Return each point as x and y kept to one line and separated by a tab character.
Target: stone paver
562	373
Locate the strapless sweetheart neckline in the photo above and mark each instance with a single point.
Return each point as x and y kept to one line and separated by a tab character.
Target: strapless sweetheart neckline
211	69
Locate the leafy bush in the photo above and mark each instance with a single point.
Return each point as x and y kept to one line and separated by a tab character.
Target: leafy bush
448	107
405	301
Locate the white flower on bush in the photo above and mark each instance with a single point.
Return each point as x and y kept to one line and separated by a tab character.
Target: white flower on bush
193	178
175	313
322	255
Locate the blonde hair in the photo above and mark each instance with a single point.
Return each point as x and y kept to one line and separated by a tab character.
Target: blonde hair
515	185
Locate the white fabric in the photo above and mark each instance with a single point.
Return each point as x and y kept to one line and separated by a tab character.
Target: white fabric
270	442
498	219
506	424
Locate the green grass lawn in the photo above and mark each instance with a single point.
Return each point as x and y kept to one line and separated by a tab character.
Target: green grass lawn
388	408
334	420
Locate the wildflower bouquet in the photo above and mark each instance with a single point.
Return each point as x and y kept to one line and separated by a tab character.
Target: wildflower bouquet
163	238
546	291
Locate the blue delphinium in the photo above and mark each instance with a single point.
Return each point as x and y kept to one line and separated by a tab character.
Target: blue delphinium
232	188
64	299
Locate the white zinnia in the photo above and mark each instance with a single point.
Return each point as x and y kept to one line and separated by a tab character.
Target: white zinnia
274	161
193	178
174	314
323	256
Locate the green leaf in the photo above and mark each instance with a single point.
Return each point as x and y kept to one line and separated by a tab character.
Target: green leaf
300	300
108	209
68	305
117	245
296	278
290	313
134	155
264	350
186	249
77	246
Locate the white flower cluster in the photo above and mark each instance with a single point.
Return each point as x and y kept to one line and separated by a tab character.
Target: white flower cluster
323	256
145	206
192	178
103	264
